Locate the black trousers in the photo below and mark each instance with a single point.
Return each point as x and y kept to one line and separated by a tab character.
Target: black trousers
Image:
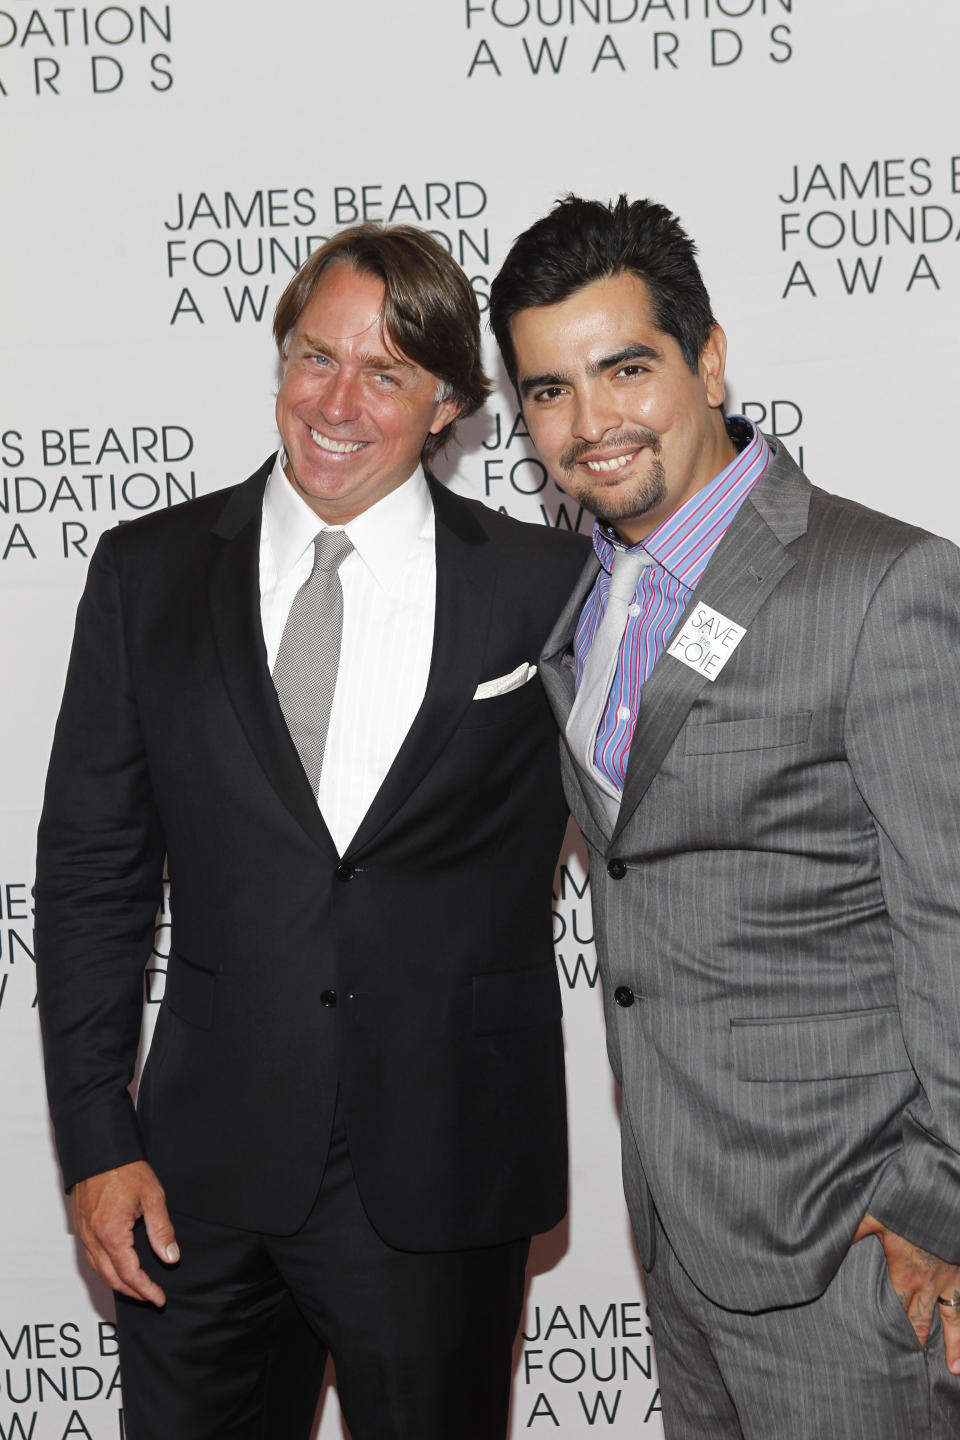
422	1343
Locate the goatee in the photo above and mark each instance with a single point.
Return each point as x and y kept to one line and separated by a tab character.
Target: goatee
609	499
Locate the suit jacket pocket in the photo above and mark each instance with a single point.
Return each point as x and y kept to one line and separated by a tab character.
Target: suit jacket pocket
498	708
759	733
845	1045
515	999
190	991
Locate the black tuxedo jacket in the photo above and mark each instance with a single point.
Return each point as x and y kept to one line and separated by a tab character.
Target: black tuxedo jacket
432	933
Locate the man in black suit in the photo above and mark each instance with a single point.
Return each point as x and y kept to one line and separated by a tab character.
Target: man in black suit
315	695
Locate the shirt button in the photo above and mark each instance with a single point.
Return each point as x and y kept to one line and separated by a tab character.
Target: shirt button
624	996
616	869
623	713
345	871
633	609
328	998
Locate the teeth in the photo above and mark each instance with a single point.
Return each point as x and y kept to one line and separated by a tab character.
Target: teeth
339	447
599	466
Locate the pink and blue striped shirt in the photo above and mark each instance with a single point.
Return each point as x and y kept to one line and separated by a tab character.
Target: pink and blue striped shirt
681	548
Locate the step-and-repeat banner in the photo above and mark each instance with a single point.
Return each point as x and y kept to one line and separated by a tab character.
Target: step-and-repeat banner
165	167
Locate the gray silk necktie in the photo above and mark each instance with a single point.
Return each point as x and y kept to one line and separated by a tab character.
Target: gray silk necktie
305	670
600	667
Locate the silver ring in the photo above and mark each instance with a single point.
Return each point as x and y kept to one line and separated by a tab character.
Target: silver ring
953	1304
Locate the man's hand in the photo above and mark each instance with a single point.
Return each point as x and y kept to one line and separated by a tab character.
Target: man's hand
919	1278
104	1210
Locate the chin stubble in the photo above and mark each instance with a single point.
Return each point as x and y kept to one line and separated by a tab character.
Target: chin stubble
612	500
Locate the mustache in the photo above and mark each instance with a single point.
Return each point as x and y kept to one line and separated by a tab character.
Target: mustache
621	440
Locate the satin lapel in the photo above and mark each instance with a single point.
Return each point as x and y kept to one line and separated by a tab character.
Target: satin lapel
745	570
556	671
466	578
234	592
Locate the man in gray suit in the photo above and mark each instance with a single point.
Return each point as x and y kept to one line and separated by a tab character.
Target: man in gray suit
774	834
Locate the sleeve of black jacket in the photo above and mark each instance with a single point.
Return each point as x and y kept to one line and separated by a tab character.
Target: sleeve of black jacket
99	883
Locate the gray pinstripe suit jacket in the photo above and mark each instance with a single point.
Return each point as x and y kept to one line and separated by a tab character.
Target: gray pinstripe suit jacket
789	919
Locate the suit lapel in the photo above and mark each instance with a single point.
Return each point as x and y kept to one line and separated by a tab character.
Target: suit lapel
745	569
234	593
556	671
466	577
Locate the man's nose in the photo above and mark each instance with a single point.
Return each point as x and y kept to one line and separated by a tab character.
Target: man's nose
340	401
595	415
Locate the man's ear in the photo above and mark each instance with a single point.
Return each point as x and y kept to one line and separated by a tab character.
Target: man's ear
712	364
447	411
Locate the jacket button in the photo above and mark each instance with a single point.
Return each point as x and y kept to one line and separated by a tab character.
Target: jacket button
616	869
624	996
345	871
328	998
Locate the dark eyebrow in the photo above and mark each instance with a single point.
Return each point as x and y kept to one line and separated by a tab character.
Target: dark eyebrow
529	383
623	357
606	362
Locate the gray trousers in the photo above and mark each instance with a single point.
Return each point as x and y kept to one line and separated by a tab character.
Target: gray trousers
846	1366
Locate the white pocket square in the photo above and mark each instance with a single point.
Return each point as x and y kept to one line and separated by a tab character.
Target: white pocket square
504	683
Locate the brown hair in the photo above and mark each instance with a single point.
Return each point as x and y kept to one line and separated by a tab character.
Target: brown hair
430	312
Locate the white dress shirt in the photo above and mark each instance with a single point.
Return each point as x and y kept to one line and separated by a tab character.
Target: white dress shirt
389	601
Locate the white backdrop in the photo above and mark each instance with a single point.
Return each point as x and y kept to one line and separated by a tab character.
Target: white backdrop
163	168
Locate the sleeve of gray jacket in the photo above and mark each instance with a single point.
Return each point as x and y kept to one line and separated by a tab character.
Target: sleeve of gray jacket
903	743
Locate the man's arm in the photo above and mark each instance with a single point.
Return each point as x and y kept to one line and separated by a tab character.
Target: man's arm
99	877
903	742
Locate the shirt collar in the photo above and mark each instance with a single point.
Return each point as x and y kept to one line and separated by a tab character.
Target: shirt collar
383	536
685	540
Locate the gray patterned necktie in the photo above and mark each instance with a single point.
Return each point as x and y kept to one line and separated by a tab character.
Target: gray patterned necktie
305	670
600	667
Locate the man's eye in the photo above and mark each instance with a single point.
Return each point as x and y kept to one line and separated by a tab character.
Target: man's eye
631	370
550	392
386	379
319	359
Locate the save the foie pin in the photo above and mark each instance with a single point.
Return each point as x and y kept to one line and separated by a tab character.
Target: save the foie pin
706	641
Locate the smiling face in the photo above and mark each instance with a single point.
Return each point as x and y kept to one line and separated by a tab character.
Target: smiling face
353	412
619	419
